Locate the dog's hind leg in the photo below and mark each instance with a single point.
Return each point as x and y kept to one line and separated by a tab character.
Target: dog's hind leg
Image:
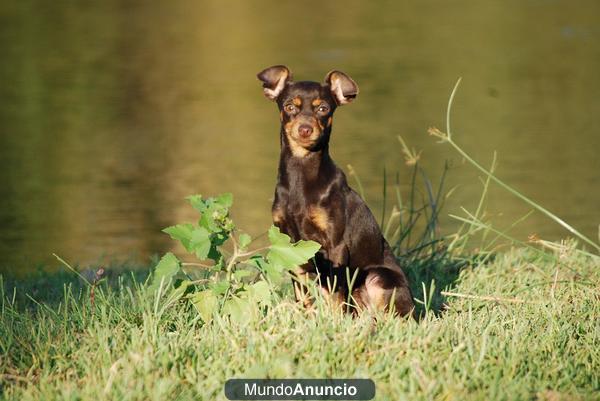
383	289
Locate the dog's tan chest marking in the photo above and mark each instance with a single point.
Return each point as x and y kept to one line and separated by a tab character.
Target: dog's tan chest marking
277	214
319	218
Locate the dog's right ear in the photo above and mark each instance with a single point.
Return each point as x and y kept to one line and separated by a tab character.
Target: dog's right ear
274	79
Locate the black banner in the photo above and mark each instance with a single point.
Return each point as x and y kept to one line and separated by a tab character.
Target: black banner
299	389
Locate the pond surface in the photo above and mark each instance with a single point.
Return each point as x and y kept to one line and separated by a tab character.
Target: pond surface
112	112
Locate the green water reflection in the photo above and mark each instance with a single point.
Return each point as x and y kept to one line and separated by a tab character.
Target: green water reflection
111	112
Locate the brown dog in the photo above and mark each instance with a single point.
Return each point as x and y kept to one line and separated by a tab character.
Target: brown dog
314	202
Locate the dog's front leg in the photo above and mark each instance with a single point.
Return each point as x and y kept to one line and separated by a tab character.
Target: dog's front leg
330	288
330	221
301	277
338	255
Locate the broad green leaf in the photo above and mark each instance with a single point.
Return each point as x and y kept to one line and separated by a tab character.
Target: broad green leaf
200	242
168	267
220	287
205	303
240	274
197	202
238	309
182	287
207	221
224	200
272	272
181	233
244	241
256	261
260	292
283	253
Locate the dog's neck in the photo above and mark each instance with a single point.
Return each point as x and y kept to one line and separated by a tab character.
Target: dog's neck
298	165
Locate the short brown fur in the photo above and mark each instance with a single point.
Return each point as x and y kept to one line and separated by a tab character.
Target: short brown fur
314	202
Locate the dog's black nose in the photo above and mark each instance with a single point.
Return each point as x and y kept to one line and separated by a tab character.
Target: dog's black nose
305	130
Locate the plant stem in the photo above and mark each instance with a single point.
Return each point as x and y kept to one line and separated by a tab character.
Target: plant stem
447	137
523	197
250	253
233	258
202	265
487	298
61	260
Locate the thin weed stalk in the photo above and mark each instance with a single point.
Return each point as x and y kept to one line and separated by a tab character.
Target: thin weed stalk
447	137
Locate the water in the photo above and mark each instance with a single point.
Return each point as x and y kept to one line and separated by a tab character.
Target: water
112	112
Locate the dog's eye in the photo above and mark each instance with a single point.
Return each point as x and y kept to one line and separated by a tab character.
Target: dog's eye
290	108
323	109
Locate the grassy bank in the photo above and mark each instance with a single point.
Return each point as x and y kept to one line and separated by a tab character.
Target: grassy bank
539	339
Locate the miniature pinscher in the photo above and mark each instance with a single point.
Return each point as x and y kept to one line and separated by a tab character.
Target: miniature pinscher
314	202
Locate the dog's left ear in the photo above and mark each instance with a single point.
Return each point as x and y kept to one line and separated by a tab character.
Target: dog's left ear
274	80
343	88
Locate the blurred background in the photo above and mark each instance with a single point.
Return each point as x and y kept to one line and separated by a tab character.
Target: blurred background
111	112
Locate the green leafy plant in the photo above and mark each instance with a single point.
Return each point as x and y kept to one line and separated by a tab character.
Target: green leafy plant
229	278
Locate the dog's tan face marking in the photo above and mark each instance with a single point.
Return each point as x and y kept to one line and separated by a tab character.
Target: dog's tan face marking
297	149
306	108
319	218
306	103
329	121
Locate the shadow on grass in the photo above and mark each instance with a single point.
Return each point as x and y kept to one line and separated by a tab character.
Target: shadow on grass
429	276
414	233
49	287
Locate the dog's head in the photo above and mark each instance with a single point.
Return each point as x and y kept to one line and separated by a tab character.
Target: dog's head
306	108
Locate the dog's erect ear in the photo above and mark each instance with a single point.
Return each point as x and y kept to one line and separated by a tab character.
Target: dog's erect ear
343	88
274	79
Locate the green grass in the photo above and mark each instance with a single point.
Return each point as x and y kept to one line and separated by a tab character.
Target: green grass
539	341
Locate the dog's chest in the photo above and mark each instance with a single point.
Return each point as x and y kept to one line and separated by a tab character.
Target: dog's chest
302	219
